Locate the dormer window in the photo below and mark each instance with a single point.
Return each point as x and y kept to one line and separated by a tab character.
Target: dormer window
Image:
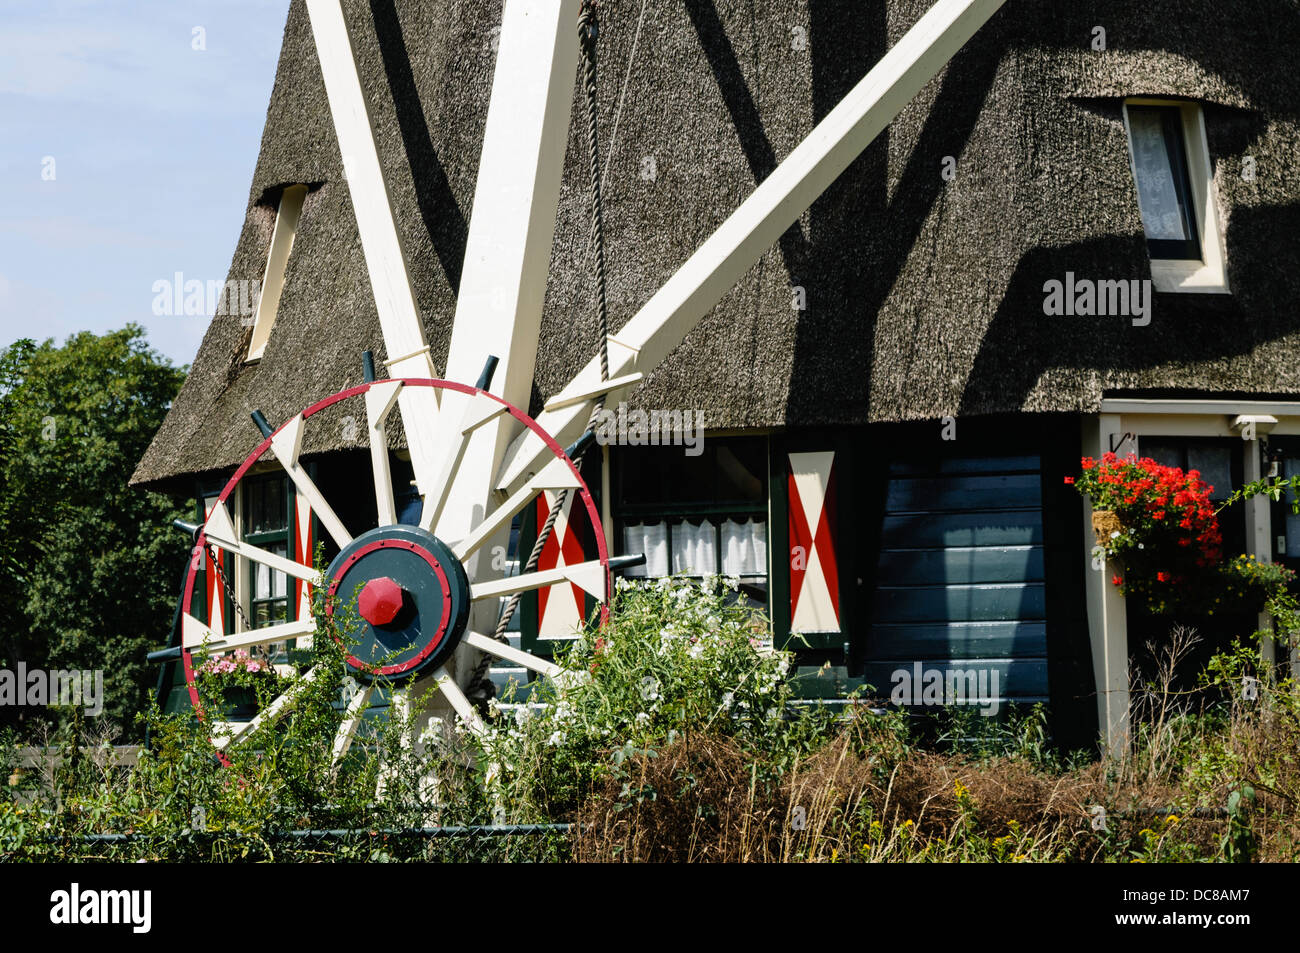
1164	188
286	225
1175	190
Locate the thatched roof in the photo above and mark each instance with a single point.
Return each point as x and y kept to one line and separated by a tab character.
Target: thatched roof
924	296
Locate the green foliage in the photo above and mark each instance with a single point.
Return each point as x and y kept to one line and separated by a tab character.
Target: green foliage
88	566
677	738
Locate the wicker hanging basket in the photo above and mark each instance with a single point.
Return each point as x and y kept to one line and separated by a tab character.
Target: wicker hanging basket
1105	522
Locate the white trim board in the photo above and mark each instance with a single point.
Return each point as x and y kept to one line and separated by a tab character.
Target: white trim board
1198	405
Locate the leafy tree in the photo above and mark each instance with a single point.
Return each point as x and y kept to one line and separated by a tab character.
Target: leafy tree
88	566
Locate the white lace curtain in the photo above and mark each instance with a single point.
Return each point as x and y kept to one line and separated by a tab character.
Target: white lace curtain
268	583
695	548
1161	212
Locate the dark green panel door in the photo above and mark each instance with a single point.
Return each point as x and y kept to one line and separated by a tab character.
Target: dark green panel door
959	580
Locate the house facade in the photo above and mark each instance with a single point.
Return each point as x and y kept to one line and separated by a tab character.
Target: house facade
1079	238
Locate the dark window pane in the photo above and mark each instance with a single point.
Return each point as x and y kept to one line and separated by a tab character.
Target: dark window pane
640	475
265	507
688	479
1291	468
1215	466
1169	453
742	471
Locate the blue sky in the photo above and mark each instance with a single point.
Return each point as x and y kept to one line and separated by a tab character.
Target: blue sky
153	144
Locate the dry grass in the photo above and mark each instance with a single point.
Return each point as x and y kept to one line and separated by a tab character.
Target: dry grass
864	795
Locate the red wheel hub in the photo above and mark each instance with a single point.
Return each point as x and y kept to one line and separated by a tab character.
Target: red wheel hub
380	601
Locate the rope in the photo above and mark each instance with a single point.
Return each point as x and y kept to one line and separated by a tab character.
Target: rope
588	33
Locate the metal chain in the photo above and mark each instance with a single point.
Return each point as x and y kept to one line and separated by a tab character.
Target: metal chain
215	562
588	34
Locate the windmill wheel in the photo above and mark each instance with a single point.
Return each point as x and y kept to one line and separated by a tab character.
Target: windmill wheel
413	590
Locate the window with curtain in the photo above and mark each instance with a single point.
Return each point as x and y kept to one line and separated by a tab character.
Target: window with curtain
1219	461
267	503
697	516
1163	183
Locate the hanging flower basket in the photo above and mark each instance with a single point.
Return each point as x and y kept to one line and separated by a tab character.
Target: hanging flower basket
235	680
1157	526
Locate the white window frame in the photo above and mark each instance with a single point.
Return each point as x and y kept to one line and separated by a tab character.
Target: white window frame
268	303
1209	275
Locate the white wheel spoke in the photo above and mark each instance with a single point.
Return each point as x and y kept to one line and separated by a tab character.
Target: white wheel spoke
351	721
379	401
220	532
504	650
194	635
555	476
578	393
589	576
286	445
269	715
479	409
447	685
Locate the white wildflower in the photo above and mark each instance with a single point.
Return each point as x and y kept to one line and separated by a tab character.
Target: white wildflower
557	738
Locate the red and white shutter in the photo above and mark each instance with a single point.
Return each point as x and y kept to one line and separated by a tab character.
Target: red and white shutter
560	608
814	573
303	552
213	591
